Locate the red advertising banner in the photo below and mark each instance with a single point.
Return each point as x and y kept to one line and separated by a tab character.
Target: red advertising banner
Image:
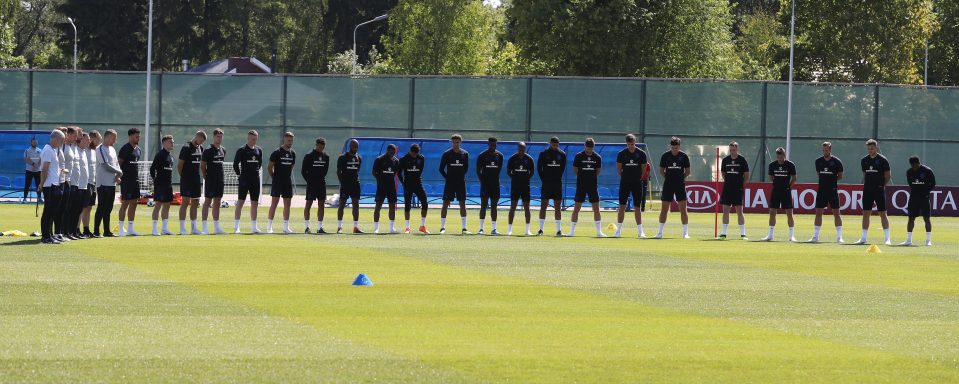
702	197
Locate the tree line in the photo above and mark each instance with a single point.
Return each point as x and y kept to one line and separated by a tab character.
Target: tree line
836	40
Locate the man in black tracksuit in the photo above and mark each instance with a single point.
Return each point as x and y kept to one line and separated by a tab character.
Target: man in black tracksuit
246	164
385	168
488	167
411	175
348	173
453	166
551	165
316	165
520	169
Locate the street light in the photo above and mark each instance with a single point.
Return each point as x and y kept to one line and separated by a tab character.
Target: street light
789	97
355	55
146	122
70	19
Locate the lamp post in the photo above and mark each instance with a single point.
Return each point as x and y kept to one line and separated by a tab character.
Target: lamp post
355	55
789	97
70	19
146	122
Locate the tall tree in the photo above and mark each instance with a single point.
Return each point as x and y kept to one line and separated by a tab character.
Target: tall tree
860	41
440	37
111	33
683	38
944	45
343	15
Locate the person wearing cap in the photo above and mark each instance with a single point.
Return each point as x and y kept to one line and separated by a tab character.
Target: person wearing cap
31	160
520	169
550	166
316	165
489	164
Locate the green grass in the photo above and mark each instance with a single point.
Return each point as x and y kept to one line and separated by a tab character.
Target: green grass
452	308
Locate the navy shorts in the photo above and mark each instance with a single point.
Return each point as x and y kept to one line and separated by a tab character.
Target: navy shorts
827	198
454	191
213	189
673	192
163	194
552	191
874	197
190	189
251	187
781	199
586	191
316	192
129	191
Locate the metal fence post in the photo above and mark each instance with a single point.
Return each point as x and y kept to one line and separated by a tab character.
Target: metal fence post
529	109
30	102
763	149
875	113
642	113
412	105
283	106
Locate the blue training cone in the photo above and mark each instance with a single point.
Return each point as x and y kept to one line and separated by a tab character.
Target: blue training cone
362	280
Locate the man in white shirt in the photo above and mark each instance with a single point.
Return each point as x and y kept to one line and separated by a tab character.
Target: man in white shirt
50	171
68	180
91	196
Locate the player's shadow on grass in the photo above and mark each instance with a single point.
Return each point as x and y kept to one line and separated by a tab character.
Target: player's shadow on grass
22	242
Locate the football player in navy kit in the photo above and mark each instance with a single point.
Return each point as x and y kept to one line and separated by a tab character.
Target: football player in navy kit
830	172
246	164
384	171
161	171
489	164
550	166
674	167
211	166
876	174
316	165
520	169
348	173
630	164
587	165
411	175
129	182
735	171
921	181
188	166
453	166
280	168
783	174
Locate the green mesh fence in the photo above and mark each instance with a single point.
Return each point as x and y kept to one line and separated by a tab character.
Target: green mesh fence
907	120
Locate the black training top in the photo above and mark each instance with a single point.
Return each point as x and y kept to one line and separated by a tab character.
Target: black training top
551	165
315	167
828	171
488	166
733	170
874	170
283	161
161	171
520	169
247	163
675	166
634	164
921	182
348	168
453	165
130	155
782	174
385	168
411	169
213	157
191	155
588	166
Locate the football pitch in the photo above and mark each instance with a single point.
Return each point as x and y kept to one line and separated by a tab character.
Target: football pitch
451	308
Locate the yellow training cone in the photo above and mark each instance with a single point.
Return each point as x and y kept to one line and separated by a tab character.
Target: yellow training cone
873	249
611	227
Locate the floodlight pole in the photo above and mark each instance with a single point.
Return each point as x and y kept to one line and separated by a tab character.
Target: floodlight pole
70	19
356	57
789	97
146	122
